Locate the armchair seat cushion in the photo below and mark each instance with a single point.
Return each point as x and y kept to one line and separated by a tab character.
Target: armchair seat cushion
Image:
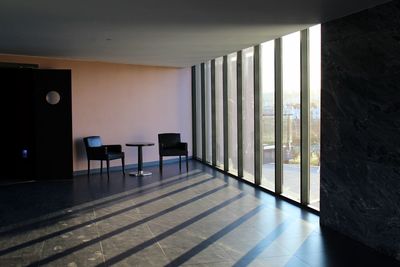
114	155
173	152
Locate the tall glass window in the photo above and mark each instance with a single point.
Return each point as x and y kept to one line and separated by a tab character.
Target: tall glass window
248	113
219	113
208	112
232	114
291	115
267	63
198	112
315	106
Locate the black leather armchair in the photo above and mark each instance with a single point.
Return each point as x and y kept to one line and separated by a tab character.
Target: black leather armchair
95	150
169	144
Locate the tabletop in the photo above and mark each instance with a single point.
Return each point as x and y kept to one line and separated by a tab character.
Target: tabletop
140	144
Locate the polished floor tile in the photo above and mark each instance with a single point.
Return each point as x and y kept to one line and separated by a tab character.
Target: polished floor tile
199	218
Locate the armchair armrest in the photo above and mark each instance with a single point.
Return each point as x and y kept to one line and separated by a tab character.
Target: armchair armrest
182	145
113	148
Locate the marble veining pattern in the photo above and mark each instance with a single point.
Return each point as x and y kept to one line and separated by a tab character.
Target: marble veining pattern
360	127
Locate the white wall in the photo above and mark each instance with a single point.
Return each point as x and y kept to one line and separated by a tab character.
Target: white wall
123	103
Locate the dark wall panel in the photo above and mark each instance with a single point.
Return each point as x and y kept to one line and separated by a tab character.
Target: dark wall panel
37	136
360	152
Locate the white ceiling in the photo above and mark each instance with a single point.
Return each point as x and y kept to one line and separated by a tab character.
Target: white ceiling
177	33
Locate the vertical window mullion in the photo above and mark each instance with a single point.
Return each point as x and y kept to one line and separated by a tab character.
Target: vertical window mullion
213	116
239	113
198	113
194	129
305	119
278	117
203	114
225	111
208	112
257	118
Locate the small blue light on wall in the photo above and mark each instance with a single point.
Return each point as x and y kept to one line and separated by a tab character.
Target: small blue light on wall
25	153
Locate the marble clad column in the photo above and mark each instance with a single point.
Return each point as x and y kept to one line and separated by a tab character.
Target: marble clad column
360	147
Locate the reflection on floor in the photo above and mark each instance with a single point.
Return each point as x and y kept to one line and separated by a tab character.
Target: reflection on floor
200	218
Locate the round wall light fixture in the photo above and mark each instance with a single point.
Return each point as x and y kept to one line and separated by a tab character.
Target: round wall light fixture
53	97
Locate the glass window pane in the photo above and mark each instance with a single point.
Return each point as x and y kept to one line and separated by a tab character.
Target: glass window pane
208	112
219	113
248	113
232	114
315	105
267	62
291	115
198	112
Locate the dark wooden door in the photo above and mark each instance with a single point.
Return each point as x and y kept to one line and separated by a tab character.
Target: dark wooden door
17	120
53	124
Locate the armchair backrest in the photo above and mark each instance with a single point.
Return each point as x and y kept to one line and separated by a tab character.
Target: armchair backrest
168	140
92	141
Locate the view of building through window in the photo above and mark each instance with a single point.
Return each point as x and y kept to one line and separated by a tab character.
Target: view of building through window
315	116
219	113
291	115
248	112
267	66
232	114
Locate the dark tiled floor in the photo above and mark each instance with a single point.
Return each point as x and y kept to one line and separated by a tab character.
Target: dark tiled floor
200	218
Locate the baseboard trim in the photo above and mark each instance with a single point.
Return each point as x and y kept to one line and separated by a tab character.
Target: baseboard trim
130	166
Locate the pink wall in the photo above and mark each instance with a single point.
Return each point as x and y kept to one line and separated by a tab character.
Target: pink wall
123	103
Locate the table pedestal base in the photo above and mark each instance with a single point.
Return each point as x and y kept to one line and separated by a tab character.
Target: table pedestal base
140	173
